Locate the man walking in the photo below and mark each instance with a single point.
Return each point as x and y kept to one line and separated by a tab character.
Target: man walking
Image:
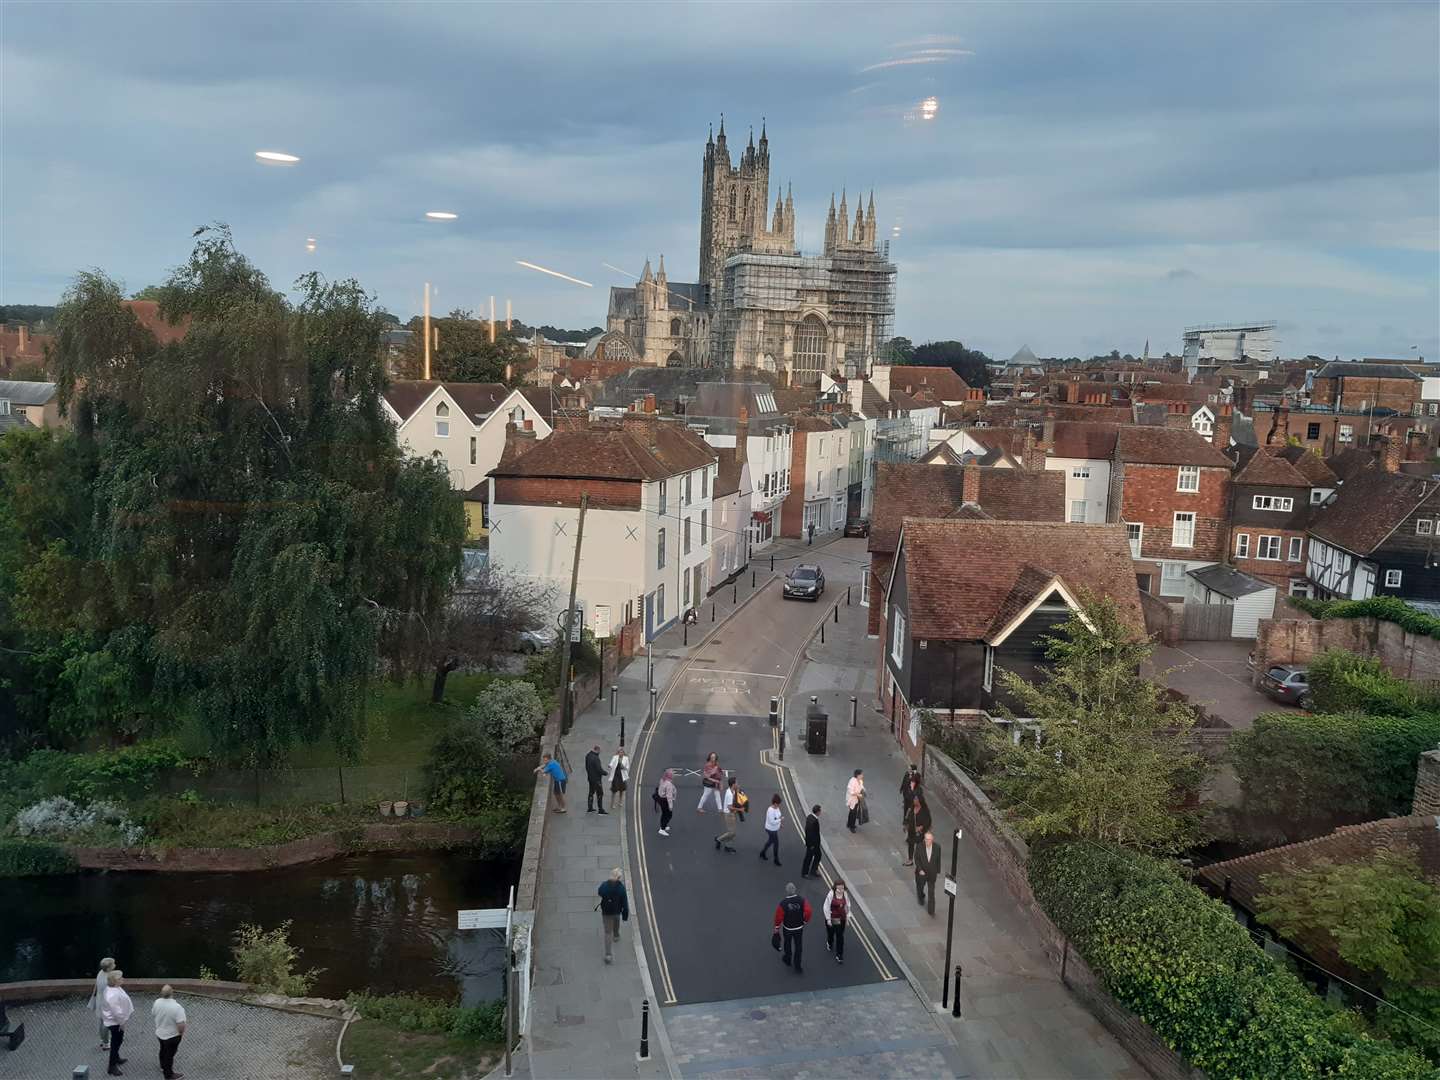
614	906
169	1017
116	1013
927	870
773	817
791	915
810	867
594	773
731	818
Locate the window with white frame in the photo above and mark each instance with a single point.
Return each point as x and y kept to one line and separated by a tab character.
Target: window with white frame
1296	542
472	449
1392	579
687	536
442	421
660	507
865	588
1272	502
1424	526
1202	424
1189	478
1182	533
1077	511
1268	547
897	636
1134	531
705	483
660	549
704	526
988	679
1346	433
1080	472
1172	578
1242	545
688	489
1316	495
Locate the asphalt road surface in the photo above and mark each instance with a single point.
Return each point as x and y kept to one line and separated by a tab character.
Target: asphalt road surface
715	911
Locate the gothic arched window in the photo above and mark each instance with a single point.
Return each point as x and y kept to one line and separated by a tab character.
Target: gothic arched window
810	345
674	327
732	204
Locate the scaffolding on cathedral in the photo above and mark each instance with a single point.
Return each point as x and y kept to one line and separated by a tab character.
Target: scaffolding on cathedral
798	315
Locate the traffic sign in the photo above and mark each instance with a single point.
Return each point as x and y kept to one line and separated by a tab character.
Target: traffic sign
950	886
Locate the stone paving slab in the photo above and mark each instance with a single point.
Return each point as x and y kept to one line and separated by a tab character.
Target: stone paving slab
226	1040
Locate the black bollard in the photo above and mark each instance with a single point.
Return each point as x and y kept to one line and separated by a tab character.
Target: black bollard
653	693
622	728
847	595
772	564
752	579
837	614
644	1054
822	633
712	611
613	691
852	710
734	592
955	1008
685	633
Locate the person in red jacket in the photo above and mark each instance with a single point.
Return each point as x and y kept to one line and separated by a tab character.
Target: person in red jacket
791	915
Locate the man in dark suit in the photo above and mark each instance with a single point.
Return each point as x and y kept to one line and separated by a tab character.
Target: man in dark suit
811	866
594	772
927	870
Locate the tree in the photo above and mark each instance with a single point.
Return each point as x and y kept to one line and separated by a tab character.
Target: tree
969	364
901	350
509	714
464	352
1110	762
150	292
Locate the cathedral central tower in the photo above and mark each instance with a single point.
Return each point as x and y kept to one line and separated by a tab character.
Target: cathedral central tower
733	205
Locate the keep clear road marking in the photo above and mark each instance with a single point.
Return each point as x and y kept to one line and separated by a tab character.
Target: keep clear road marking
729	671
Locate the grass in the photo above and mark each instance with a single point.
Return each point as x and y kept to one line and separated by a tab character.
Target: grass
170	823
377	1049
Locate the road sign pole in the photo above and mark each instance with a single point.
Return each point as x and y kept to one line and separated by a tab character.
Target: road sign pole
952	889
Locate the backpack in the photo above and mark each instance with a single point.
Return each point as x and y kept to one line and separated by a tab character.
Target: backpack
742	803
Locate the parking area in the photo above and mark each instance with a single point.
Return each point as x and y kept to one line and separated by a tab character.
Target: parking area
1214	675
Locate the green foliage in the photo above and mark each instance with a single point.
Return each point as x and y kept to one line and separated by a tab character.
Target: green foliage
1181	962
1343	682
509	714
463	775
266	960
182	823
434	1016
1303	774
1415	1020
1385	608
24	858
968	363
465	352
1111	764
968	747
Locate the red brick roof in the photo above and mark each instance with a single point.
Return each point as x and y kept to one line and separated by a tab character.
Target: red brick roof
1269	470
912	489
945	383
1144	445
478	400
148	313
1190	394
1311	465
1078	440
1365	512
967	579
642	448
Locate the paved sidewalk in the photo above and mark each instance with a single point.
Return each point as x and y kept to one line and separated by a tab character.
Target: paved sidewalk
1019	1019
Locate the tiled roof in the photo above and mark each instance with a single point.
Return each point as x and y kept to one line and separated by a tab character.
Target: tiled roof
1189	393
541	399
1098	414
23	392
1268	469
1362	515
1418	835
633	448
148	313
1075	440
1009	439
1166	446
827	422
942	454
478	400
727	472
1349	463
964	576
945	383
1340	369
912	489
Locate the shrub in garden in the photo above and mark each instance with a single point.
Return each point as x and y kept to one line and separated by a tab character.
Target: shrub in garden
1181	962
1385	608
1343	682
509	714
24	858
434	1016
266	960
60	819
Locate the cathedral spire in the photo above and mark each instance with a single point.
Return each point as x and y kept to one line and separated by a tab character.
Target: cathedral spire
661	275
710	142
645	274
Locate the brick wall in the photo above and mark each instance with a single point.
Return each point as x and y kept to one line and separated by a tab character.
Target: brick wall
1427	784
985	829
1293	637
1148	496
557	491
792	510
1275	573
1397	394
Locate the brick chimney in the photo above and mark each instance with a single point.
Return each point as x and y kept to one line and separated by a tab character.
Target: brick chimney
1223	423
742	437
517	444
970	484
1394	453
641	425
1032	457
24	338
1427	784
566	420
649	403
1072	392
1049	429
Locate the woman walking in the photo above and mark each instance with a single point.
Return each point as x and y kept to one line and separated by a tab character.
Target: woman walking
712	782
97	999
619	777
917	824
837	914
855	799
666	794
773	818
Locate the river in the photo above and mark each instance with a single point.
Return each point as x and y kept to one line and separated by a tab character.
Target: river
380	922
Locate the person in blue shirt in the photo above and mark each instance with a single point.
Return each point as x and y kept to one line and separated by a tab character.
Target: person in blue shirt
548	764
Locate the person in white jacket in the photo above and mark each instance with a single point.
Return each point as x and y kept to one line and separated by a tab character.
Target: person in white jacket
836	910
116	1012
619	777
97	999
855	799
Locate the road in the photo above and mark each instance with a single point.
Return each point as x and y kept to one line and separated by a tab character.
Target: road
713	910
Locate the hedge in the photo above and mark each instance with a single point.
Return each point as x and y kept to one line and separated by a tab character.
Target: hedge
1181	962
1385	608
24	858
433	1016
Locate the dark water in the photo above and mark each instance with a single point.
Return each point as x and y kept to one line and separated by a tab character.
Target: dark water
379	922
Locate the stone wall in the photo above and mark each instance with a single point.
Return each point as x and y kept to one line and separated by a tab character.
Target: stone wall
1427	784
1293	637
985	828
1162	621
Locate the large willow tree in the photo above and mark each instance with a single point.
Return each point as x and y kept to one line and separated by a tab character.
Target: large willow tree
247	537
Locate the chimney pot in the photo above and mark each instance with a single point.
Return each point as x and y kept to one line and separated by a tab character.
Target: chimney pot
529	425
970	484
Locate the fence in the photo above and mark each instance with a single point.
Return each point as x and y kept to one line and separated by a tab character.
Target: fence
1207	622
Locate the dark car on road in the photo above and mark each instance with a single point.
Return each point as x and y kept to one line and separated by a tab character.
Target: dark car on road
860	527
805	582
1288	684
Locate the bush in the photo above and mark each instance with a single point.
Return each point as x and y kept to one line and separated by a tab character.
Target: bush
57	818
463	775
1343	682
21	858
509	714
433	1016
1302	775
266	960
1181	962
967	746
1385	608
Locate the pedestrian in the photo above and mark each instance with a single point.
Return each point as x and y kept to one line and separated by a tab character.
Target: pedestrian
169	1017
665	796
791	915
614	906
116	1012
837	915
909	788
773	817
732	815
810	534
855	799
549	765
594	773
927	870
917	823
97	999
712	782
619	778
810	867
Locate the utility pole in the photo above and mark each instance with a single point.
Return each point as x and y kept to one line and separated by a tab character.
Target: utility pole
567	707
427	331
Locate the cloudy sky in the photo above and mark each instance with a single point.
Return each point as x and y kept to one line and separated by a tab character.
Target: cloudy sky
1095	175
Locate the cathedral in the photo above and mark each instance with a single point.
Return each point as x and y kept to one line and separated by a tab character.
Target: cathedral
760	302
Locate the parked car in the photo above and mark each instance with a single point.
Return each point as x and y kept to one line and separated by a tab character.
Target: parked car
804	582
859	527
533	641
1288	684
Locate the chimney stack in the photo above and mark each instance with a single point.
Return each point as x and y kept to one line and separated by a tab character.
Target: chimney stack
1032	457
517	443
1394	453
649	403
24	338
970	484
1049	429
1223	423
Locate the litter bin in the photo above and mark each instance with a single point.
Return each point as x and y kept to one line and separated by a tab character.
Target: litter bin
817	726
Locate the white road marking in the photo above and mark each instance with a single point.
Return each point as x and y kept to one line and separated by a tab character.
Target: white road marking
728	671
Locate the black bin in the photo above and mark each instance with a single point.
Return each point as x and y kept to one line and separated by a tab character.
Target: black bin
817	727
